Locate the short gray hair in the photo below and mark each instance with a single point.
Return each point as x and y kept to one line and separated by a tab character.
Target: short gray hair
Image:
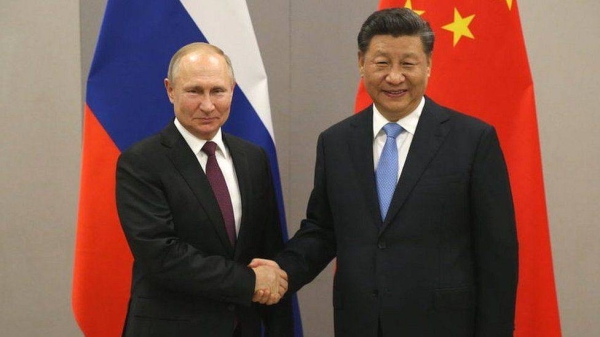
196	47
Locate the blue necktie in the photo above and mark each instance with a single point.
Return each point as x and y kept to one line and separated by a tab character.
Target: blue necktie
387	169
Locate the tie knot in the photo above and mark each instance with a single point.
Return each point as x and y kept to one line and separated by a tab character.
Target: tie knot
392	130
209	148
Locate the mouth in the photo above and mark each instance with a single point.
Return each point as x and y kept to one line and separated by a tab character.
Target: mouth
395	93
206	120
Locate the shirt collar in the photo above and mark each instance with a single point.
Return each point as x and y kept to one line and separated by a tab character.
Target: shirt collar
408	122
196	143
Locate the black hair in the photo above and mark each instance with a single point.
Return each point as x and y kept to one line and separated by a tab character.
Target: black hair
396	22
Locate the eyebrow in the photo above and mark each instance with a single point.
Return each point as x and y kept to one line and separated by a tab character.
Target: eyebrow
404	55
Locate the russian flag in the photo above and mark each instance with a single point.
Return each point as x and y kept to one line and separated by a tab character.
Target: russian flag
126	101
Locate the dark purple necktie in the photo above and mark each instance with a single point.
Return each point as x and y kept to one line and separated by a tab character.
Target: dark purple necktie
219	187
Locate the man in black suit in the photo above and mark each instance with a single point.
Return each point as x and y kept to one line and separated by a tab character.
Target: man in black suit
196	205
414	201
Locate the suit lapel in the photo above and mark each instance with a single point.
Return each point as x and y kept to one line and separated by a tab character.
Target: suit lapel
242	172
186	163
429	135
361	150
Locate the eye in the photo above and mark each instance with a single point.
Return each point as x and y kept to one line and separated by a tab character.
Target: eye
381	64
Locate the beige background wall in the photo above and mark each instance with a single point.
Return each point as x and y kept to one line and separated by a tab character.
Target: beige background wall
309	52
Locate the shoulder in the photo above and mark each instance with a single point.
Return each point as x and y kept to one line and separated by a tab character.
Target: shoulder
457	119
240	149
362	120
155	146
145	145
235	143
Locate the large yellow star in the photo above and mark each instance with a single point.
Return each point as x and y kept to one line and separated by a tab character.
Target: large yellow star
409	6
509	3
460	26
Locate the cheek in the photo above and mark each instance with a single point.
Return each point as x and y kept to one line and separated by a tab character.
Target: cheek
223	105
190	103
372	81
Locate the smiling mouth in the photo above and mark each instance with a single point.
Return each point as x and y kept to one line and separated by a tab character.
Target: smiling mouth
395	93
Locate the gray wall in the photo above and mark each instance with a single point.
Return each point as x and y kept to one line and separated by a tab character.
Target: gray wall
309	53
40	103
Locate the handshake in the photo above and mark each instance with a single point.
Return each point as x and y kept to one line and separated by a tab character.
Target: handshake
271	281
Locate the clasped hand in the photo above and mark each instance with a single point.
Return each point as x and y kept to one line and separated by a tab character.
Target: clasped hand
271	281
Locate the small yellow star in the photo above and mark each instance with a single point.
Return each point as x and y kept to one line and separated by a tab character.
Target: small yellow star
409	6
460	26
509	3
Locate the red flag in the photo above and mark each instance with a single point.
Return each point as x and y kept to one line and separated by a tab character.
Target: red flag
102	258
480	67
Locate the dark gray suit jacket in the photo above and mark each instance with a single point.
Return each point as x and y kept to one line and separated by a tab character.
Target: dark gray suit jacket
444	261
188	280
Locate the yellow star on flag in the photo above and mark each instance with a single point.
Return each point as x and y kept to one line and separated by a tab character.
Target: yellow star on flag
509	3
460	26
409	6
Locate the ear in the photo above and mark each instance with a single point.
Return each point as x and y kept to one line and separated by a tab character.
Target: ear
361	63
169	88
429	60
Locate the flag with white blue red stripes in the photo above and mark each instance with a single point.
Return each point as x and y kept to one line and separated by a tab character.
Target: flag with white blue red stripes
126	102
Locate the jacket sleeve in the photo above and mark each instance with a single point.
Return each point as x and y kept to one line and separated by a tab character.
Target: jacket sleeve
278	318
313	246
495	239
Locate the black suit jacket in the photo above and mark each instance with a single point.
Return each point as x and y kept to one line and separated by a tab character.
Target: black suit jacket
188	280
444	261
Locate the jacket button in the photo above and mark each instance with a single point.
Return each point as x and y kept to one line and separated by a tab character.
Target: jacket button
375	293
231	307
381	244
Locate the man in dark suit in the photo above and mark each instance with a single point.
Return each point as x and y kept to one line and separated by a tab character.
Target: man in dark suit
414	201
196	205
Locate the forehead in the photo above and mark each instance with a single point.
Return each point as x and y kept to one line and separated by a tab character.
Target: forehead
396	45
203	65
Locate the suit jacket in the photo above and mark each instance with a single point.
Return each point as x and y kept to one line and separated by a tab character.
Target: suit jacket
444	260
188	280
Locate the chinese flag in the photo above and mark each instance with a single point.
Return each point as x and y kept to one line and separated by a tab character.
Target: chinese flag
480	67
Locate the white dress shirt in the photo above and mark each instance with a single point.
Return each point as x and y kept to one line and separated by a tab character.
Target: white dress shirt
404	139
225	164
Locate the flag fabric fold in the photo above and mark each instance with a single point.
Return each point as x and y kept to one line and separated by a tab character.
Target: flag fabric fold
126	102
480	67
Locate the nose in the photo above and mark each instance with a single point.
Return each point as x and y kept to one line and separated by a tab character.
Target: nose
395	76
206	104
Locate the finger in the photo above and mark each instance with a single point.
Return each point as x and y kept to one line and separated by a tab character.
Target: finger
282	274
283	284
262	262
273	299
264	300
281	293
263	297
283	280
254	263
257	296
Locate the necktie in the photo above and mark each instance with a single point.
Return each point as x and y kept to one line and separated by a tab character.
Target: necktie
219	187
387	169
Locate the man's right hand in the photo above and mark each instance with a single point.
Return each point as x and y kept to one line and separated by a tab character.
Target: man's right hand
271	281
